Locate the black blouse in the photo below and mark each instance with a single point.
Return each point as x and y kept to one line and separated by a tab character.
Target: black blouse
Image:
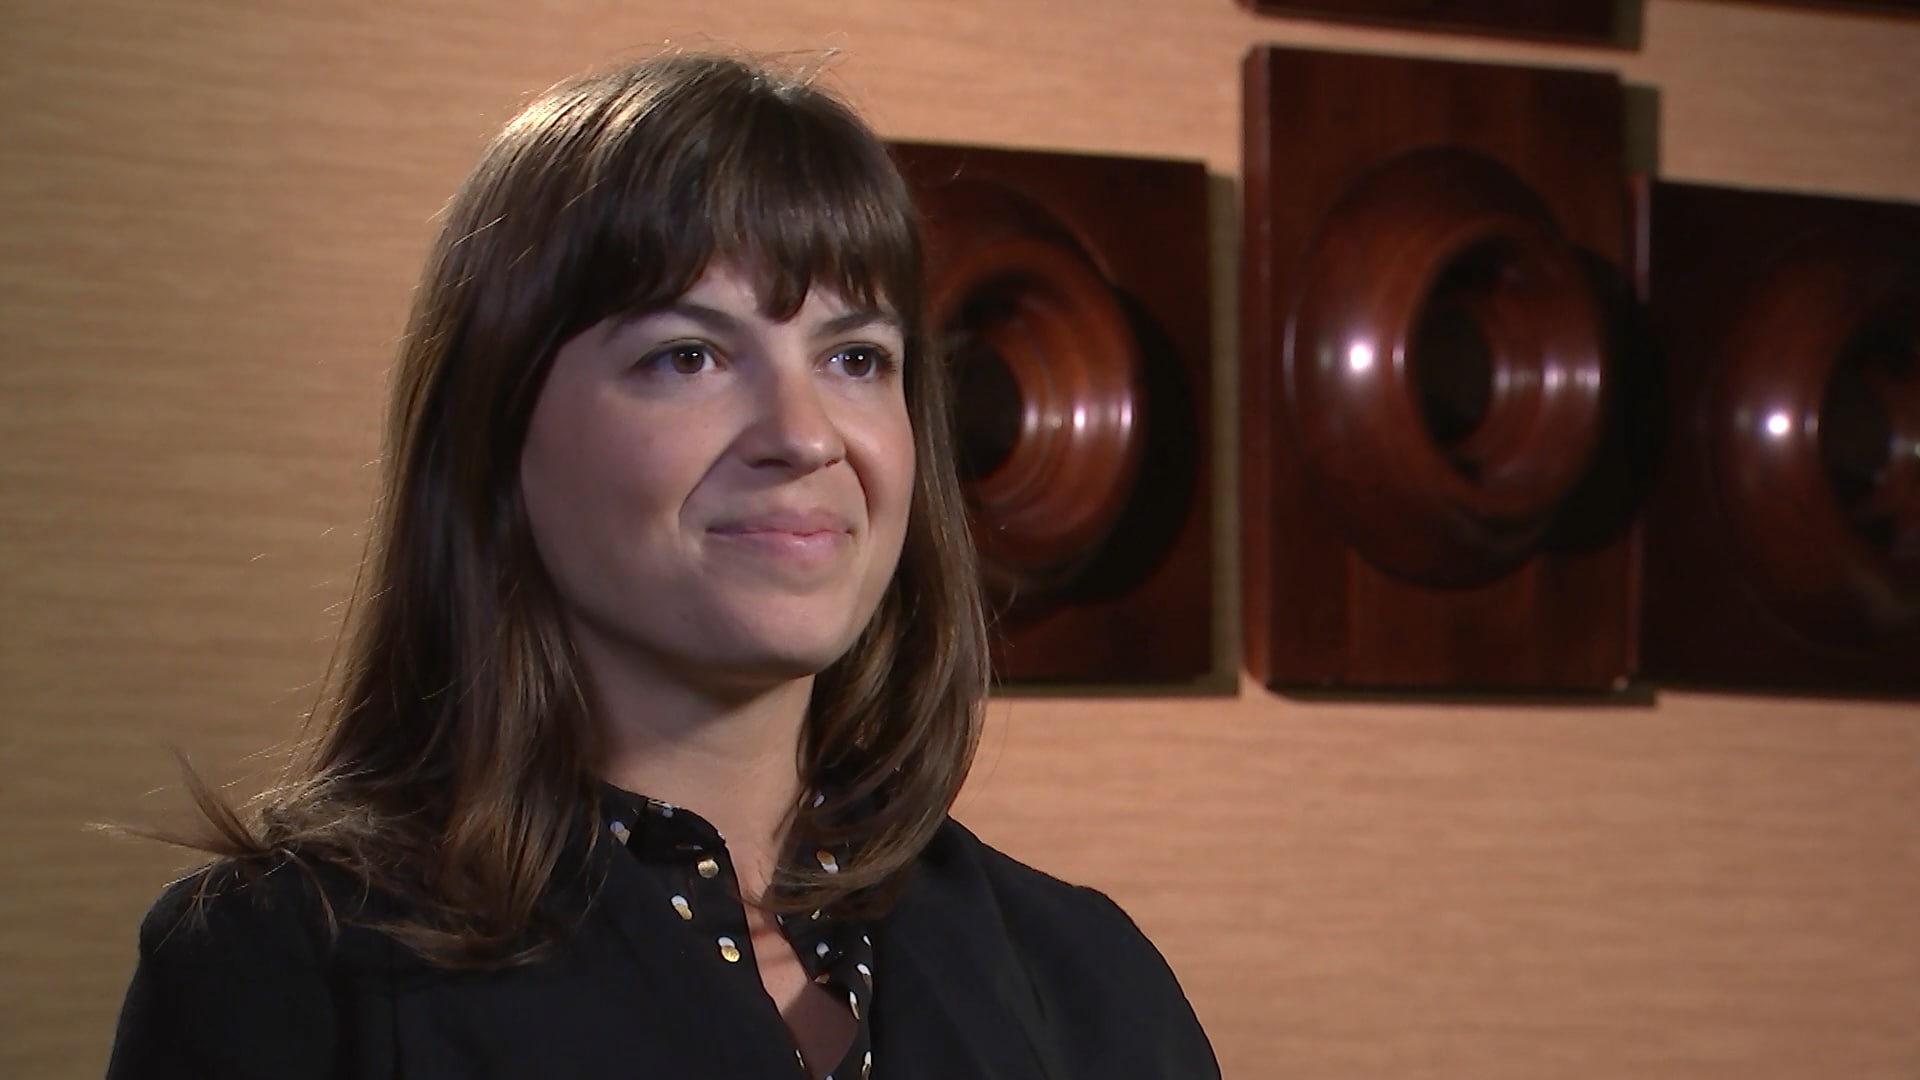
685	866
984	968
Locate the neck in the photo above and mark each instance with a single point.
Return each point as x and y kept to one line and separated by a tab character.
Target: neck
729	755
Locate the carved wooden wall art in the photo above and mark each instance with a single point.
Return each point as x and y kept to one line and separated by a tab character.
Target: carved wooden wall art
1590	22
1868	7
1069	292
1431	490
1783	534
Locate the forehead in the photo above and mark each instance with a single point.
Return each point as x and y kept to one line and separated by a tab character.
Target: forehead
729	281
726	300
730	288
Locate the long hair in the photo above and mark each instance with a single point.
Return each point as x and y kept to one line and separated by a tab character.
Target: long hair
454	766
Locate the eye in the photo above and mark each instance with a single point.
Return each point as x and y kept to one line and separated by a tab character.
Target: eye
862	361
680	358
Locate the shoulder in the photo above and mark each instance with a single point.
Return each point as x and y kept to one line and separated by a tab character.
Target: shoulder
233	977
1032	900
1050	918
231	907
1105	991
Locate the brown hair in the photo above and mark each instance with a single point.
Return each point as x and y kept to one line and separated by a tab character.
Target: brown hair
453	768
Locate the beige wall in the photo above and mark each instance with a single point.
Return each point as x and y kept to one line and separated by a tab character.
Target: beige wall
210	216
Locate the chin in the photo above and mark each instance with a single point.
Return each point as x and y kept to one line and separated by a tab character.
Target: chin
791	649
750	673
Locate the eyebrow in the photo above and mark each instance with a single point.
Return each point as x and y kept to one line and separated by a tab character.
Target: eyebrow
724	322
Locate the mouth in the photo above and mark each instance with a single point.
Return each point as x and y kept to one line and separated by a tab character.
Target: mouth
797	536
785	522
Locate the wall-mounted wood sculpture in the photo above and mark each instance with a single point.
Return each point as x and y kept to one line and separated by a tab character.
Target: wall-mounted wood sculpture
1070	294
1783	533
1428	378
1589	22
1869	7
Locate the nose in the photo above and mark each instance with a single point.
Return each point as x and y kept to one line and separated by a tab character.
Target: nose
792	427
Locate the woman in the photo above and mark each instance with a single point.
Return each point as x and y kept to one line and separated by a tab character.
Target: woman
665	668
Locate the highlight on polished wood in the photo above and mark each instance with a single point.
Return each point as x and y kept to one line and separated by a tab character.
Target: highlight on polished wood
1447	470
1783	537
1068	293
1587	22
1431	377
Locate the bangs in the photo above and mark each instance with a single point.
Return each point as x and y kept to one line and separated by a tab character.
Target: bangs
729	165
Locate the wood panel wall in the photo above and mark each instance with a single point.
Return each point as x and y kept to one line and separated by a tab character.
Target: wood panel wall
211	214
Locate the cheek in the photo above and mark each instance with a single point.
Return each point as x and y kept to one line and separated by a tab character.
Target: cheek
890	467
908	467
618	489
593	479
554	501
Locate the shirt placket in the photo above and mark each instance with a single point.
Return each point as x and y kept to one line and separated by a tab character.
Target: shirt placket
705	896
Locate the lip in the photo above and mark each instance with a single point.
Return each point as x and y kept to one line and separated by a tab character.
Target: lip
799	539
801	523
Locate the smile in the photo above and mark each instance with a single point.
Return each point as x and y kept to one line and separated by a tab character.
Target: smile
800	539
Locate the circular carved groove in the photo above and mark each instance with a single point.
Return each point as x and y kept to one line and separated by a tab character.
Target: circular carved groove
1445	367
1453	372
1815	443
1048	376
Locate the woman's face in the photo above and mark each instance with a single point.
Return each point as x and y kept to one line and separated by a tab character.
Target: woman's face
720	498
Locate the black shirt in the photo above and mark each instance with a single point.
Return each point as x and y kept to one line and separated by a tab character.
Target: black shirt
685	867
984	968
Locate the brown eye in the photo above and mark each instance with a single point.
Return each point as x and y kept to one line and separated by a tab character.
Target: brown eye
862	361
683	359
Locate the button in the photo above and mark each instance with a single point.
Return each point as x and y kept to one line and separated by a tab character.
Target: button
707	867
680	905
729	951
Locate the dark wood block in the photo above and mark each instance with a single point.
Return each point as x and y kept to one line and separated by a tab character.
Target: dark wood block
1593	22
1070	291
1909	8
1433	490
1783	533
